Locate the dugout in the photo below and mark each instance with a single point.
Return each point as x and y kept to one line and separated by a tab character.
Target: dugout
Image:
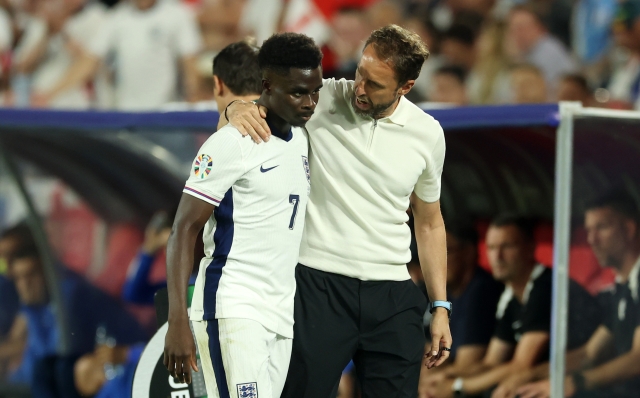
87	182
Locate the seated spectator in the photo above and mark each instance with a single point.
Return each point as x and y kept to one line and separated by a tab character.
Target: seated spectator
488	82
575	88
92	380
13	327
528	85
613	231
449	86
45	367
521	337
153	41
457	46
52	43
534	45
625	81
138	289
474	295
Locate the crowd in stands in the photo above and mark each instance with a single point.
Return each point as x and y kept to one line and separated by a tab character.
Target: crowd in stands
145	54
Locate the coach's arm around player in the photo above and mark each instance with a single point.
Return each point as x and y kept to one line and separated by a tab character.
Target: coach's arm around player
432	251
180	348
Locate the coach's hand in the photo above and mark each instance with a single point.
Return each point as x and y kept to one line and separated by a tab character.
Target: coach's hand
248	118
440	338
180	351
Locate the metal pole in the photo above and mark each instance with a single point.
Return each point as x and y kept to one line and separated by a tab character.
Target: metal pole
49	263
561	240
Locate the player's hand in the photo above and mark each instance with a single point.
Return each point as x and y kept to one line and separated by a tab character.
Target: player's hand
180	351
248	118
508	387
440	338
540	389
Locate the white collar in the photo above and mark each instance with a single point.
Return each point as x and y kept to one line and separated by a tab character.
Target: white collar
632	282
507	295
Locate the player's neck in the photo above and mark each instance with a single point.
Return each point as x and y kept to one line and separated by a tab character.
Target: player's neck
519	284
274	120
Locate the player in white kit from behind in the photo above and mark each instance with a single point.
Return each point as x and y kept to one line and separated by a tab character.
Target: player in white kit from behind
251	201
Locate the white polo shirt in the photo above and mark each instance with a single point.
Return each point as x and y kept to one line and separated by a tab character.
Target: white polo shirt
363	172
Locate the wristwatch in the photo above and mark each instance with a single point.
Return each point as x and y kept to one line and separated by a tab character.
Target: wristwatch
444	304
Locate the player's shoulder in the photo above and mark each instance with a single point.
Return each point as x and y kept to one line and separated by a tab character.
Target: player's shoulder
336	87
228	137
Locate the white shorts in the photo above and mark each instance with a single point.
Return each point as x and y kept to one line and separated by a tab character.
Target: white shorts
241	358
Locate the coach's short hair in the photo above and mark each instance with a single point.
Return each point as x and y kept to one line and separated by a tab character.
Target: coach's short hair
284	51
403	49
526	225
620	201
237	66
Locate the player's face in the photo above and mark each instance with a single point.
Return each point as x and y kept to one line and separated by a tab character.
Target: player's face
508	252
608	234
29	280
296	95
376	89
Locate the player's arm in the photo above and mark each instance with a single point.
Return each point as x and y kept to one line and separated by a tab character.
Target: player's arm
432	251
180	349
529	349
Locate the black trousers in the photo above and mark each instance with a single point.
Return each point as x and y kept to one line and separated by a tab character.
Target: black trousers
337	318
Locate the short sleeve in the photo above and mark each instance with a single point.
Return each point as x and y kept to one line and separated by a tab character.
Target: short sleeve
536	314
188	37
217	166
430	182
104	38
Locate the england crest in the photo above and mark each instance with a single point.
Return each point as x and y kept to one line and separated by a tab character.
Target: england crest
247	390
305	164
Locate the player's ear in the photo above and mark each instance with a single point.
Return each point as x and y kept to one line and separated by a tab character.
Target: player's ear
405	88
218	87
266	86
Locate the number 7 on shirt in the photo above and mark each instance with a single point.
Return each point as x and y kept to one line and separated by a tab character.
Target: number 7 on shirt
294	199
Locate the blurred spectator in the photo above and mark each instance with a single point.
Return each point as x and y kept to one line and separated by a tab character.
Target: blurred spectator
488	82
475	295
534	45
152	41
449	86
625	81
419	23
382	13
523	317
528	85
342	51
608	365
138	289
575	88
92	380
52	43
236	75
13	327
48	370
591	36
457	46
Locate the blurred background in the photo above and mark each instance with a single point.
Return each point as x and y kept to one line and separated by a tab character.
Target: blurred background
87	198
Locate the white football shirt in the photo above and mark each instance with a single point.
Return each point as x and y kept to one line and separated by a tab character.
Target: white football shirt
363	174
253	236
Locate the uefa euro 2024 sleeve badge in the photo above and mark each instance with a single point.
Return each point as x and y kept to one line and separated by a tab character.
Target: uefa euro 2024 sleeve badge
202	166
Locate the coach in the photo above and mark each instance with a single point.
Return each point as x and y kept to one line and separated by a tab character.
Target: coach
372	155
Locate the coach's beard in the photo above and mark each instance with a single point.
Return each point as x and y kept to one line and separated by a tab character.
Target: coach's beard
374	111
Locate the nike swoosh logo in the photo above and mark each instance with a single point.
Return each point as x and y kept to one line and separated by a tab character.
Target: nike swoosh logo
262	169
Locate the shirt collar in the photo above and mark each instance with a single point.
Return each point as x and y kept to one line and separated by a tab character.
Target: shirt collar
400	114
633	281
